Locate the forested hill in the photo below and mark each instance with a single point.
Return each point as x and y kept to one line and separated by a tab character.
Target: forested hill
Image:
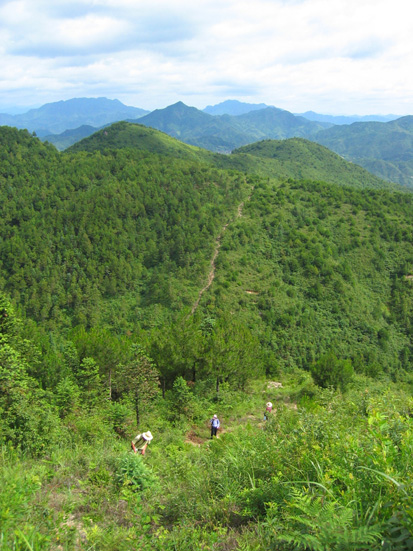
130	135
303	159
385	149
80	229
108	237
292	158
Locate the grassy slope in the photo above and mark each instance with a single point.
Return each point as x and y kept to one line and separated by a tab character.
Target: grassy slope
189	493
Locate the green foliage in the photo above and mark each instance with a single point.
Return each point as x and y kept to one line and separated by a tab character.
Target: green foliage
131	471
331	371
102	236
104	253
138	379
118	415
89	380
182	400
382	148
18	529
67	396
318	524
298	158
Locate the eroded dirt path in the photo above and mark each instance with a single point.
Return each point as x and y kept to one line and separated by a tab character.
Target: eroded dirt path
211	274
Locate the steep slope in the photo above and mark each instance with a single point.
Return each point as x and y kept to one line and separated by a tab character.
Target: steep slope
282	159
386	149
123	238
54	118
316	267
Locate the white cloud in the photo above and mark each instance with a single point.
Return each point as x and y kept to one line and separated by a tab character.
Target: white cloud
342	56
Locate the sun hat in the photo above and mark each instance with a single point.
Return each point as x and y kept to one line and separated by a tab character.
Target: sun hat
147	436
215	417
269	405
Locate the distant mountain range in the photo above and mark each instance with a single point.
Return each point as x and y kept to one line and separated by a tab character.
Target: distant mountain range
223	133
234	108
54	118
342	119
383	146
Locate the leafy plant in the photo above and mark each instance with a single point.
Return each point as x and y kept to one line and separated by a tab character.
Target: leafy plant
317	523
132	471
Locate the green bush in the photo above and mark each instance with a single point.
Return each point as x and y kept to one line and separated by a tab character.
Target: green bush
331	371
131	471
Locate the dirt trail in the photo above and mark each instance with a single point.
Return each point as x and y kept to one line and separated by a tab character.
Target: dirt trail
211	274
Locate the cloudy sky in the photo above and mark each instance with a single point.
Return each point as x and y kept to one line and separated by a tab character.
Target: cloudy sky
329	56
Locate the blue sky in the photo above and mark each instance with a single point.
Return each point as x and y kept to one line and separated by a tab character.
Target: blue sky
330	56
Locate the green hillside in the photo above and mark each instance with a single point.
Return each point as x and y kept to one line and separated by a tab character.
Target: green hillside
316	267
302	159
385	149
129	135
282	159
82	230
69	137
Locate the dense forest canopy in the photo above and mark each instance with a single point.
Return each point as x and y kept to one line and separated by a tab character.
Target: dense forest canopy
153	285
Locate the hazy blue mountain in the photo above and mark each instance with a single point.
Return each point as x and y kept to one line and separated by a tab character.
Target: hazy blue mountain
342	119
69	137
54	118
386	149
233	107
278	124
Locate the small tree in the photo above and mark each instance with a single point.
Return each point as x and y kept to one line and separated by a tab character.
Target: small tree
89	380
139	379
331	371
182	398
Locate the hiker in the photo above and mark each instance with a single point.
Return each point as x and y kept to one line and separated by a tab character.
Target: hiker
141	441
267	411
214	426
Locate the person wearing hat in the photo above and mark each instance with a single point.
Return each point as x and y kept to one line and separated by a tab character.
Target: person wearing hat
141	441
267	411
214	426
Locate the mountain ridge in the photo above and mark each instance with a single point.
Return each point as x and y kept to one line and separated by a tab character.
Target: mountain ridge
57	117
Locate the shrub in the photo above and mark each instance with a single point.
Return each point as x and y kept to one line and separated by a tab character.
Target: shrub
131	471
331	371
